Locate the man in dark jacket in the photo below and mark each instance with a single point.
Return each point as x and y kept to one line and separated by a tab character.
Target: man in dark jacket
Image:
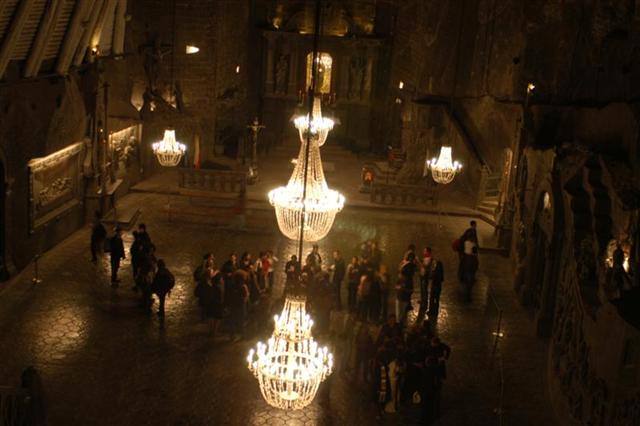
145	239
136	252
435	276
117	254
292	269
162	284
339	271
98	235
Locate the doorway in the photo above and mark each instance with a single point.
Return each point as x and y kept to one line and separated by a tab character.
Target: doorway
539	266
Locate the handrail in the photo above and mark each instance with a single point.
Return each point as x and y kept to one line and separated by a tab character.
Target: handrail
495	353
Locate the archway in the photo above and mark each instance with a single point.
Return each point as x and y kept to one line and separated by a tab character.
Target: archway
538	265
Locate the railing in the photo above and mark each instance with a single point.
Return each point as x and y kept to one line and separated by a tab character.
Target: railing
14	406
397	194
212	180
496	356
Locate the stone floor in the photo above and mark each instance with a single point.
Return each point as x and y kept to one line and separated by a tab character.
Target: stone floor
105	363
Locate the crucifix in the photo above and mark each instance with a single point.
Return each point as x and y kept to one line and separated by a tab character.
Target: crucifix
255	128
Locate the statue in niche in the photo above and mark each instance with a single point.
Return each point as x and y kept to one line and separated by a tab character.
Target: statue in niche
357	67
282	73
154	53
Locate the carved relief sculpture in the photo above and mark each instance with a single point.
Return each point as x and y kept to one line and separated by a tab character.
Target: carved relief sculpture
281	75
52	192
54	184
357	67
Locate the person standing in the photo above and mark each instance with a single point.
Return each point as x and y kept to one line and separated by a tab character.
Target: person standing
425	268
162	284
292	270
353	277
229	268
469	267
98	235
237	297
364	289
376	256
382	276
435	278
145	239
213	299
465	244
136	251
117	254
339	271
405	287
314	258
146	273
375	298
270	278
430	390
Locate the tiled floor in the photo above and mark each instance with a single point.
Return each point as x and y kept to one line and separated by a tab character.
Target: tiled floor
105	363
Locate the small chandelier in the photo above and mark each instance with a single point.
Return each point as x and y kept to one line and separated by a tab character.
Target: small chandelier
291	366
443	169
320	204
169	151
320	126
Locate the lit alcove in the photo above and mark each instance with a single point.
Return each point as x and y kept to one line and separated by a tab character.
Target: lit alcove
325	62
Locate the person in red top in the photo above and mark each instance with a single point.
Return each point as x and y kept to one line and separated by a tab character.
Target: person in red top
265	264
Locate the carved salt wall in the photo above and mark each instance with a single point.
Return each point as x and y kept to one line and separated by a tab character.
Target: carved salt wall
39	118
563	277
55	185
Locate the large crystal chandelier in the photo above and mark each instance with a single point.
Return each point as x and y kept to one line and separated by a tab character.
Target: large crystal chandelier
291	366
169	151
320	203
443	169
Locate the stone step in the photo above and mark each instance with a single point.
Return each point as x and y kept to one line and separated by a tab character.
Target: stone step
486	209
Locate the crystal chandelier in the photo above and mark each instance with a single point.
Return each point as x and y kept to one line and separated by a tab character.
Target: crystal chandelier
320	126
443	169
319	205
169	151
291	366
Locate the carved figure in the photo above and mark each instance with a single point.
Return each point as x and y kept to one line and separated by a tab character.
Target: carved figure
154	52
282	71
357	67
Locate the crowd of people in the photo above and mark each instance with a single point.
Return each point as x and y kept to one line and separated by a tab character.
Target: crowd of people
401	361
150	274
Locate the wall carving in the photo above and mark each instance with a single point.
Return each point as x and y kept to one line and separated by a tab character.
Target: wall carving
125	148
586	395
58	189
55	185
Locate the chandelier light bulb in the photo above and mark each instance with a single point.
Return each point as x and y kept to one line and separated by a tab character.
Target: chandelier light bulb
169	151
444	169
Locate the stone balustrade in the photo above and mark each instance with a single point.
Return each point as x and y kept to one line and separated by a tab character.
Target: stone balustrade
399	194
212	180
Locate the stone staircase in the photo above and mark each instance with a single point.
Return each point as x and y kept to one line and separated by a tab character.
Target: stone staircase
490	199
